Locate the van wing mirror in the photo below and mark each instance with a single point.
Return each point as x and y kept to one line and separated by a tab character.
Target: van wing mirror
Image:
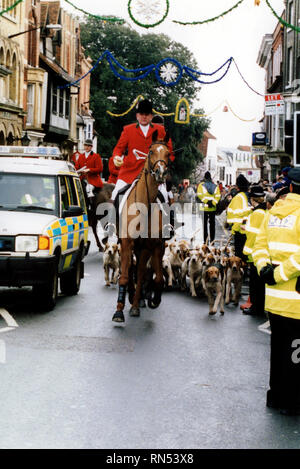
72	211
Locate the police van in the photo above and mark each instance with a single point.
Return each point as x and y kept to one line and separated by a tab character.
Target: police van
43	223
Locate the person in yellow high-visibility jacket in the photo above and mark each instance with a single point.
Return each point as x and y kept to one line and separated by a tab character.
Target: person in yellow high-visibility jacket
252	227
277	258
209	195
237	213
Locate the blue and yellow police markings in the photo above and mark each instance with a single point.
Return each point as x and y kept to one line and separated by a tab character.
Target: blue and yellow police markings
67	232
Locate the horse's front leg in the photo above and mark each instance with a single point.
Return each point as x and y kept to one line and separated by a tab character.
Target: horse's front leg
93	223
157	256
142	266
126	254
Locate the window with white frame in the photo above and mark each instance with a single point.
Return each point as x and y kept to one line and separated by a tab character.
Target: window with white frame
290	16
289	66
30	104
60	102
88	131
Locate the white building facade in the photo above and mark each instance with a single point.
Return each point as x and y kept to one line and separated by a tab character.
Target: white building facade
230	162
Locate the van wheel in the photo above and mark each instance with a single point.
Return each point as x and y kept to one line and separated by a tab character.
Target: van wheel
46	294
70	281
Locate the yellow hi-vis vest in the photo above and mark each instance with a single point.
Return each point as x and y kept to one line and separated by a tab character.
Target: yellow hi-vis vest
252	227
238	211
205	196
278	243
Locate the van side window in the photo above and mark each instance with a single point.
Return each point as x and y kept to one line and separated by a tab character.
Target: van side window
72	191
64	201
80	194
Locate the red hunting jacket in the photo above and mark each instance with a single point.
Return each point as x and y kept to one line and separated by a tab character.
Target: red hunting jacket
132	138
113	171
94	163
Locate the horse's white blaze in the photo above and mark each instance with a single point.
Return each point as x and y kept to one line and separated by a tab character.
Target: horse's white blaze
161	168
160	148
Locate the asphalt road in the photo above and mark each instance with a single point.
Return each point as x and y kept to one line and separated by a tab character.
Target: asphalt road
173	378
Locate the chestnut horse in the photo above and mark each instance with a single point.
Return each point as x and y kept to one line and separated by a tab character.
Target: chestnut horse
143	194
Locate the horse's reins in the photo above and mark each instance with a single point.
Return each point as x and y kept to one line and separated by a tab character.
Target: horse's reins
150	169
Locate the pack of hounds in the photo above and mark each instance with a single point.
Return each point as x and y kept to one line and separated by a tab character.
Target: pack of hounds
204	270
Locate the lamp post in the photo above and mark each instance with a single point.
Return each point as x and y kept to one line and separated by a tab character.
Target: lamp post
55	27
25	140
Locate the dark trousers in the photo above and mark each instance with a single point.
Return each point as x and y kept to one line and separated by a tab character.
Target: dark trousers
256	291
284	389
209	217
239	242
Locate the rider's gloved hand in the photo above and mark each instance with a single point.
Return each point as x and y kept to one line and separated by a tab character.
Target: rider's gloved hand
118	161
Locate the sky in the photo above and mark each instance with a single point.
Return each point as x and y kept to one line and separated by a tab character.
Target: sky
238	34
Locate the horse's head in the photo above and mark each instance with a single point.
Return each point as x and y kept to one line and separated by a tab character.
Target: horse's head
158	158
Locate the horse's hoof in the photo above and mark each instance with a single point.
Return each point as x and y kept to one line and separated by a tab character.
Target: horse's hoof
222	313
118	317
134	312
212	313
107	284
142	303
152	304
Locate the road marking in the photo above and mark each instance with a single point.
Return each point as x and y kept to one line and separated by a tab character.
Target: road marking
6	329
8	318
2	352
265	327
11	325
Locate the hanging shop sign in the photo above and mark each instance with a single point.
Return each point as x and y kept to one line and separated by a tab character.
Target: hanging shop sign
274	104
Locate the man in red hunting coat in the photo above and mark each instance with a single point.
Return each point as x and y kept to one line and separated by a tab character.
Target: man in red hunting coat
135	142
89	165
136	139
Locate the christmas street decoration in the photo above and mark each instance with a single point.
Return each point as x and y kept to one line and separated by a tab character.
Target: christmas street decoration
281	20
182	113
103	18
150	11
11	7
210	19
168	72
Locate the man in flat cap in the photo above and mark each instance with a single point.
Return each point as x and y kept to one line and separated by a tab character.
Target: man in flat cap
89	165
252	227
277	258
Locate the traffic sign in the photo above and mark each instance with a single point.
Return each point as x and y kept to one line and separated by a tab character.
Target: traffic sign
274	104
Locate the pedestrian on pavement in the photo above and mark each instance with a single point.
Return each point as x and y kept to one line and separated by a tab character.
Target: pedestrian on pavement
284	180
89	165
237	213
277	258
252	227
209	195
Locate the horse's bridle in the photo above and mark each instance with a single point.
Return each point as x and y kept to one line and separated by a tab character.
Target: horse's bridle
151	167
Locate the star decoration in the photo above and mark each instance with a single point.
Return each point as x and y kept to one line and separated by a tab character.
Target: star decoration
168	72
149	11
